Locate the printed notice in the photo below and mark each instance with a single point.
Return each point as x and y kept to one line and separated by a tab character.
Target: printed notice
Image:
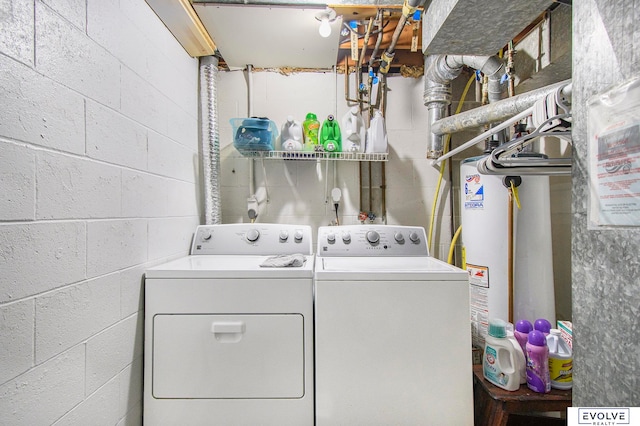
614	156
479	302
473	192
618	180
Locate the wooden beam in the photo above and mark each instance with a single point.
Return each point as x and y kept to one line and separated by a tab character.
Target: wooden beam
182	20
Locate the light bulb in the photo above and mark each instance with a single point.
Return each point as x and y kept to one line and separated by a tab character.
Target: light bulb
325	27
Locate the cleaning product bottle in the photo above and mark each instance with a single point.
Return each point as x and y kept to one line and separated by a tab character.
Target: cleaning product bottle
330	137
311	128
520	361
354	131
291	135
377	134
499	360
521	333
543	325
538	362
560	361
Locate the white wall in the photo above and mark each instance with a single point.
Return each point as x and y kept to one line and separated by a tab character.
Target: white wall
296	189
98	180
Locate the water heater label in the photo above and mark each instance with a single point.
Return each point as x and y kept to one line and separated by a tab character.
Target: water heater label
473	192
479	302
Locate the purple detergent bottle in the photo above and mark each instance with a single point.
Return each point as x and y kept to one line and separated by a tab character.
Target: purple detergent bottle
538	379
543	325
521	333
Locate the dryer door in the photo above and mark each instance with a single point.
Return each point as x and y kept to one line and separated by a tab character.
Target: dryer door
228	356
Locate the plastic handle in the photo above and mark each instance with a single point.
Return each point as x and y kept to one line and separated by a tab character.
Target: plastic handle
227	327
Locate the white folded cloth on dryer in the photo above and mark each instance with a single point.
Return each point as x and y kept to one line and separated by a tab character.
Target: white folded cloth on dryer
284	260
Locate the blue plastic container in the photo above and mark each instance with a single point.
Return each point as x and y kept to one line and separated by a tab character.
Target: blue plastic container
253	134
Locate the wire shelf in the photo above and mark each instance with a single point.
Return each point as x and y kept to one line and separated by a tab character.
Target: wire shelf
302	155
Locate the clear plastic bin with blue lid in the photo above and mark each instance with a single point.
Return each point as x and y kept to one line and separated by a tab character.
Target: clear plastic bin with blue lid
254	134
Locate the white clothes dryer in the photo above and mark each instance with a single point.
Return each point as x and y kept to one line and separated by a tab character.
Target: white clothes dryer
228	341
392	331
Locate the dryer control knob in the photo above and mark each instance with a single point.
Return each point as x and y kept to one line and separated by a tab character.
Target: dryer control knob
331	237
284	236
253	235
206	235
298	235
398	237
414	237
346	238
373	237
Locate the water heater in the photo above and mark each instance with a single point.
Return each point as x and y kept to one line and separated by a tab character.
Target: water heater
485	237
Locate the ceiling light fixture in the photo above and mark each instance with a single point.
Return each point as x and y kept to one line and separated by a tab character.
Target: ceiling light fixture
326	17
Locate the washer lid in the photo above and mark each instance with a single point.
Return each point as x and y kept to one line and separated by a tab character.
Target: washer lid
385	268
228	267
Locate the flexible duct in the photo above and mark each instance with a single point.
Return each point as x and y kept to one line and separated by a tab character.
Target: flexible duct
497	111
440	70
210	138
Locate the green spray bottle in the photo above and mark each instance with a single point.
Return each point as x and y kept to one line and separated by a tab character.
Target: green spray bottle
330	137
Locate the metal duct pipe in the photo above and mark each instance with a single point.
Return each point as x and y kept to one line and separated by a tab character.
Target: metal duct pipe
440	70
437	97
210	138
491	66
497	111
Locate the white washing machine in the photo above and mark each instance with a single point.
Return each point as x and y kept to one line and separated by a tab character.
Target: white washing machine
228	341
392	331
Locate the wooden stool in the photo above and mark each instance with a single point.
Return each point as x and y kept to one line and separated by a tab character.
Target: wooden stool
493	405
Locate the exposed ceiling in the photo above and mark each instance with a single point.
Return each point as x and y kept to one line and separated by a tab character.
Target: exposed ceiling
284	33
270	36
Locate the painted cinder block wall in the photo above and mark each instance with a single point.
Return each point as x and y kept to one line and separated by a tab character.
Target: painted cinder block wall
99	179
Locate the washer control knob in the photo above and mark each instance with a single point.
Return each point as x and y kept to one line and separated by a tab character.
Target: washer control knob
373	237
284	236
298	235
398	237
206	235
346	238
331	237
414	237
253	235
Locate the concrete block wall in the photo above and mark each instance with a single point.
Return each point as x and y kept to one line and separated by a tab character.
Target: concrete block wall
99	179
297	190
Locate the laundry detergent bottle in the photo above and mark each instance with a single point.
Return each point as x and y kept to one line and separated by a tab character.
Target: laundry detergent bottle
499	363
521	333
353	131
330	136
518	354
377	141
291	135
311	129
538	362
542	324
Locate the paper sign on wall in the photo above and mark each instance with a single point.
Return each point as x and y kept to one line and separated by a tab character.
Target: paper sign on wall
614	156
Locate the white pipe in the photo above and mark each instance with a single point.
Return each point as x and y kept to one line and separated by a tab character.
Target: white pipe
483	136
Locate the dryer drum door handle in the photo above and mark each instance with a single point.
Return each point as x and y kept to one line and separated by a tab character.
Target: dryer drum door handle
227	327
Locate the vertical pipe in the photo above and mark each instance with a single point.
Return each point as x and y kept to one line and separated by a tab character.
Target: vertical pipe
210	139
252	184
